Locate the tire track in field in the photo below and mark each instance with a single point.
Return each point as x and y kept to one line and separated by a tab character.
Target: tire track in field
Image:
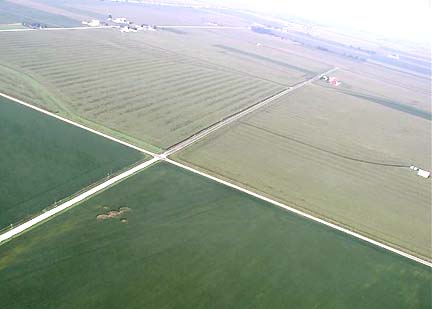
346	157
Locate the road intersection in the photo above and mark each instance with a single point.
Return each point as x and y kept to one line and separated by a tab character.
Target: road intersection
14	232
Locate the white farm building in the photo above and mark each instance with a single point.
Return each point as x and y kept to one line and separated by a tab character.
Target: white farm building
92	23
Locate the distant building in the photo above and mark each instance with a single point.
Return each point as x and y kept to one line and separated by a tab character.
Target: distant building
128	29
92	23
333	81
393	56
34	25
120	20
324	77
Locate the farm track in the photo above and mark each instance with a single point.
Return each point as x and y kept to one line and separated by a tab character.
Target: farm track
227	120
177	147
343	156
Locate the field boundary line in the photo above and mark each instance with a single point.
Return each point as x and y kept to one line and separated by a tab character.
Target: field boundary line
43	111
231	118
27	225
303	214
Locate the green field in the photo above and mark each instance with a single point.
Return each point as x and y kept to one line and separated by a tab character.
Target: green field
189	242
144	87
43	160
308	150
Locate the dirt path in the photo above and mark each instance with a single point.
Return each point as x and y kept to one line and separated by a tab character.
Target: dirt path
198	136
74	201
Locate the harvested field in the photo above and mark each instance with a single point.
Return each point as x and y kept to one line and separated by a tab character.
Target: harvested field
334	155
44	160
194	243
243	51
413	93
139	92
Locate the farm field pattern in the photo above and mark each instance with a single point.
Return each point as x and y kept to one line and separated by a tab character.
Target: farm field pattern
44	160
213	113
145	95
213	247
296	149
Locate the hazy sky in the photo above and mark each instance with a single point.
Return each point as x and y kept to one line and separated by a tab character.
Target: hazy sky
397	18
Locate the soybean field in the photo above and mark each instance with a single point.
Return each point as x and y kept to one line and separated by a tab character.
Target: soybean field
167	238
44	160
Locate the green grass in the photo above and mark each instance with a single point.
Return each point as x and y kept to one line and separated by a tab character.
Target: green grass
305	150
43	160
192	243
152	89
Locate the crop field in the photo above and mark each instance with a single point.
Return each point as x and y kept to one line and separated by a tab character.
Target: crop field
157	14
326	152
180	240
16	13
254	54
393	77
111	81
44	160
401	89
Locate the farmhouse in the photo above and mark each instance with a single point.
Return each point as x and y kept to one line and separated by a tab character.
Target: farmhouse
92	23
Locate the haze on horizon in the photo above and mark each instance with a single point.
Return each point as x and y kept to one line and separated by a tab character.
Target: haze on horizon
399	19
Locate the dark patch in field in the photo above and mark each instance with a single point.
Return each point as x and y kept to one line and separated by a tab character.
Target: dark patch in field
176	31
393	105
112	214
263	58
